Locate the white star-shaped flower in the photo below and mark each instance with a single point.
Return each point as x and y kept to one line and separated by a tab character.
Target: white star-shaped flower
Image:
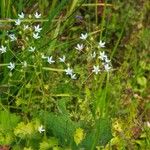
11	66
17	22
37	15
31	49
50	60
62	59
69	71
41	129
21	15
12	37
102	55
79	47
107	60
36	35
107	67
37	28
96	69
3	49
83	36
101	44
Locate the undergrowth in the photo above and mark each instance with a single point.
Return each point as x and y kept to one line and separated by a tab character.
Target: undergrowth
74	75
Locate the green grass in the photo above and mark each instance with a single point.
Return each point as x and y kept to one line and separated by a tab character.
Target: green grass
108	110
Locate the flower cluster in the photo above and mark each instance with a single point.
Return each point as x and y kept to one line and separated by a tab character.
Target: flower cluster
35	30
80	47
102	56
32	32
70	73
62	59
104	59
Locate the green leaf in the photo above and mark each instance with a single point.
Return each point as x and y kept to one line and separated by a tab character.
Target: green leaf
59	126
47	144
8	122
142	81
100	135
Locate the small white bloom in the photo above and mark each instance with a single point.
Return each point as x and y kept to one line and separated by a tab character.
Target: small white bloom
73	76
11	66
101	44
21	15
37	15
93	55
3	49
24	64
25	27
83	36
107	67
107	60
12	37
102	56
37	28
41	129
17	22
96	69
62	59
50	60
79	47
31	49
36	35
69	71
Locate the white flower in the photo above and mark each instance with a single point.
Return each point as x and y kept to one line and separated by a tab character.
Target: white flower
96	69
102	55
31	49
41	129
37	15
11	66
2	49
24	64
83	36
50	60
101	44
79	47
36	35
12	37
62	59
25	27
107	67
107	60
93	55
17	22
69	71
73	76
37	28
21	15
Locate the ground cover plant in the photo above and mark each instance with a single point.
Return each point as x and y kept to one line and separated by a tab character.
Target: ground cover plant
74	75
